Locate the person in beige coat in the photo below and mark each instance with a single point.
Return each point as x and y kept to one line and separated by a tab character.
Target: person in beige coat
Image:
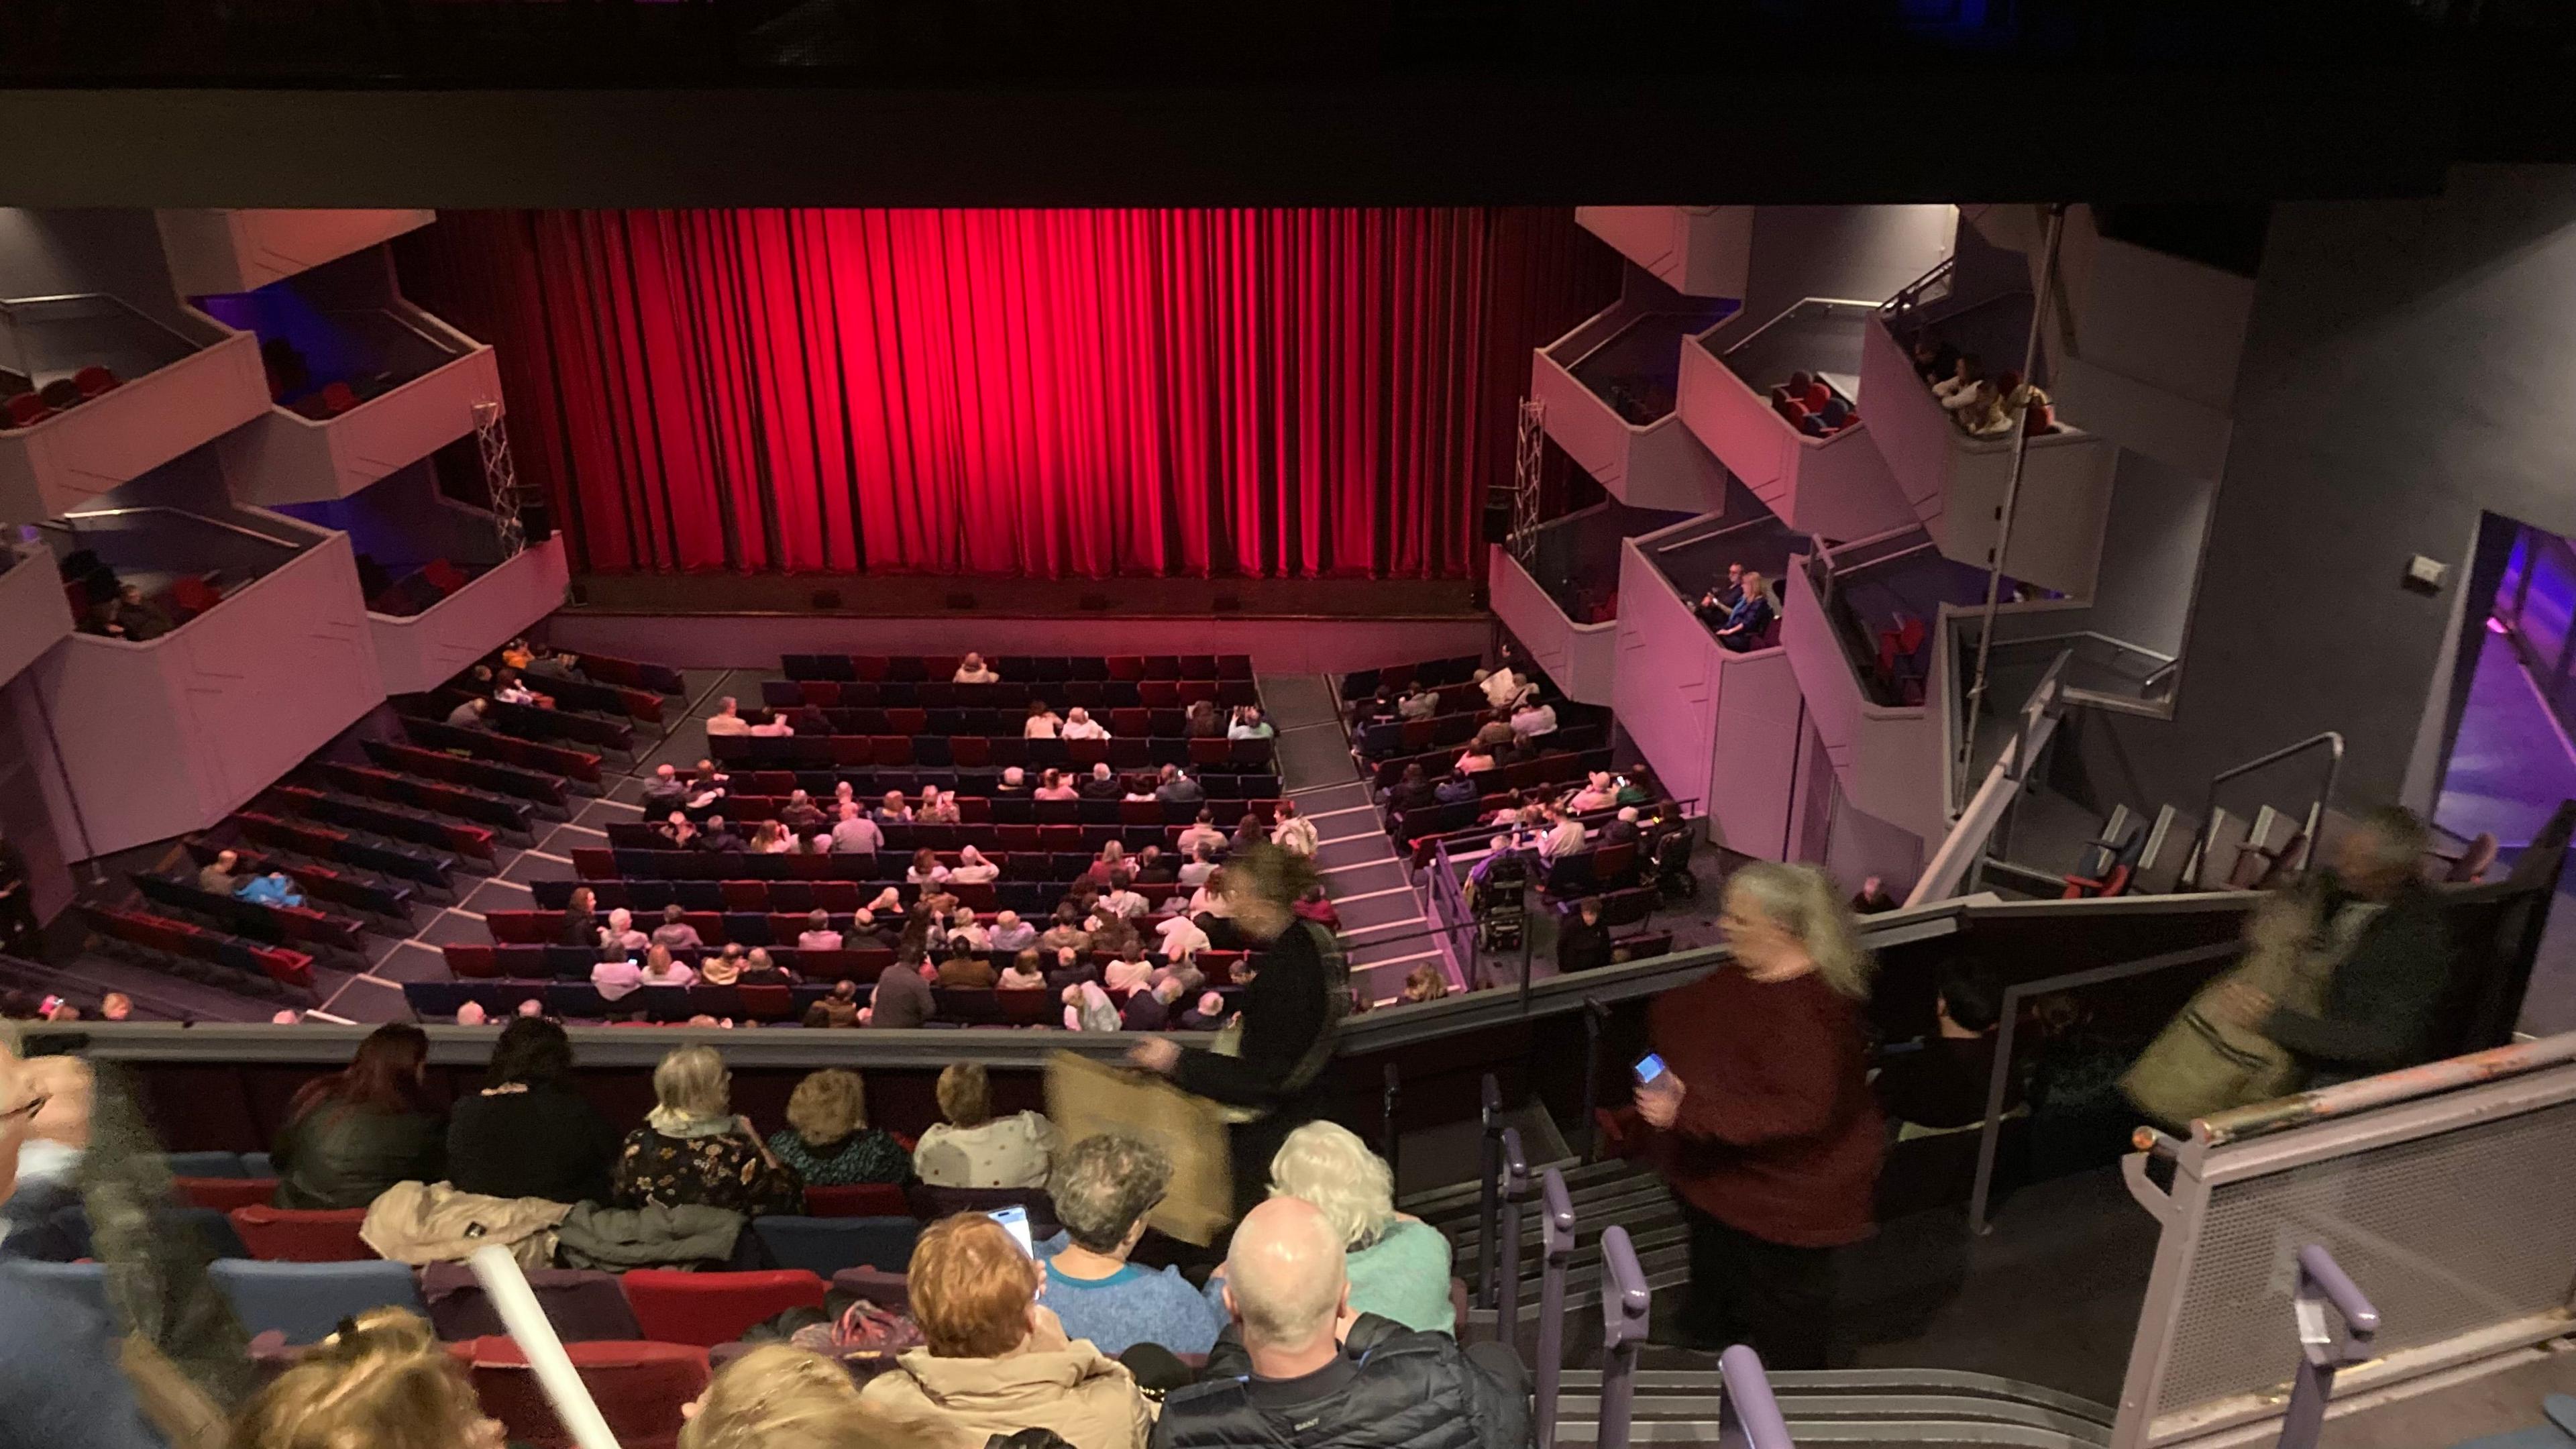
993	1361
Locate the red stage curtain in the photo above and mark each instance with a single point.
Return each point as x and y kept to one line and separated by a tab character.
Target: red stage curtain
1058	394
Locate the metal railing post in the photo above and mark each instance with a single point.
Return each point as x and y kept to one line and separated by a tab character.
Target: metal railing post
1594	1014
1388	1102
2322	1348
1488	1207
1556	1250
1515	1192
1749	1417
1625	1301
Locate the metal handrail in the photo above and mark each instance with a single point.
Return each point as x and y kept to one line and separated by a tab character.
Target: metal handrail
225	524
1749	1416
2331	740
1791	310
2122	645
2325	1346
1910	295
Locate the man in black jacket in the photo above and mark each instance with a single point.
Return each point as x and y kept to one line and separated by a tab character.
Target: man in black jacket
1299	1368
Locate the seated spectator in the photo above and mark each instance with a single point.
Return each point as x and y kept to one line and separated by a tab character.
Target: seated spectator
469	715
1412	790
770	838
1204	721
1087	1007
2015	398
855	833
728	720
674	932
1496	730
1582	940
1940	1085
1205	1014
1397	1264
1297	1372
1100	784
937	807
1015	781
973	671
1110	861
1419	702
965	970
1182	938
723	968
1934	359
1565	835
1079	725
1872	898
1621	827
1153	867
827	1141
1293	833
1010	933
528	1133
382	1380
707	785
1121	898
692	1150
661	969
1195	871
719	837
973	868
218	877
1317	907
617	977
1721	599
780	1396
509	688
759	968
351	1135
1025	973
275	888
1750	619
1129	971
1208	902
800	814
1534	717
925	869
1476	760
1151	1008
664	793
1249	725
620	934
676	832
839	1008
580	921
776	727
995	1362
1968	397
974	1148
1425	982
1105	1186
902	998
1203	834
1178	787
1052	785
1042	722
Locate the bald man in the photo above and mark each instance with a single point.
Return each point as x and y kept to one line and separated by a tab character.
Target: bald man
1298	1367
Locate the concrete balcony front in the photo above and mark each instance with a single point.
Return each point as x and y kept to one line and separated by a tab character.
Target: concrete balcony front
288	456
419	652
34	614
1818	479
1581	658
168	735
1698	251
117	394
1956	484
1889	759
239	249
1608	388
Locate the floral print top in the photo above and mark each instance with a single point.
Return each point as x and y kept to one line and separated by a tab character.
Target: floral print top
723	1171
867	1155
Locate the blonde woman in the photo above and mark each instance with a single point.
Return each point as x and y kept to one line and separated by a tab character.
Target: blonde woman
827	1140
973	1148
692	1150
1761	1117
383	1381
1398	1264
782	1397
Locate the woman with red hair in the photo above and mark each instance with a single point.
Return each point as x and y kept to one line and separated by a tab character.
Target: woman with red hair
351	1135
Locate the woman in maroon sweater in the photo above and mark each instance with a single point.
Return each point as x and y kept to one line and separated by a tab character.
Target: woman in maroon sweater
1762	1120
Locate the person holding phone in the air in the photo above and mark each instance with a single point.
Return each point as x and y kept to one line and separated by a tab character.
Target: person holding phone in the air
1754	1102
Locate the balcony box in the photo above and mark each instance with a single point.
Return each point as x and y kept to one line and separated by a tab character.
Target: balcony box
237	250
421	651
1955	483
1579	657
1889	759
1608	390
34	613
169	735
174	390
1836	485
291	456
1698	251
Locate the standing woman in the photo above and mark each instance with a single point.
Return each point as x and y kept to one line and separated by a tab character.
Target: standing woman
1762	1120
351	1135
1298	997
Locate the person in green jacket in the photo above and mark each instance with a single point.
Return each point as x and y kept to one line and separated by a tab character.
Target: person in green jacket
351	1135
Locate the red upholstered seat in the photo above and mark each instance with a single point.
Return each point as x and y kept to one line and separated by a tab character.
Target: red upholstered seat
639	1387
289	1235
712	1308
858	1200
1817	396
223	1194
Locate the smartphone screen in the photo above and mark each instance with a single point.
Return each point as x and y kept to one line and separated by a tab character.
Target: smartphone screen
1649	1068
1016	1219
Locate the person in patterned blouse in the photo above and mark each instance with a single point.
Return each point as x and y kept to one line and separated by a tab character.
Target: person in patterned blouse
693	1151
827	1139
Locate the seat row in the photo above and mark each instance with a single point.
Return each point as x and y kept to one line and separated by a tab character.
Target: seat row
1016	668
599	697
466	802
632	674
1011	700
999	722
986	821
511	781
274	924
322	842
1422	829
976	751
381	818
579	1001
185	941
1573	754
984	783
1033	900
602	862
536	722
27	405
1459	669
379	897
527	754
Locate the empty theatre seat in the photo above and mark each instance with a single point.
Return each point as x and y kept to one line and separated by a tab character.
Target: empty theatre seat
306	1300
639	1387
583	1305
223	1194
857	1200
290	1235
712	1308
84	1283
825	1246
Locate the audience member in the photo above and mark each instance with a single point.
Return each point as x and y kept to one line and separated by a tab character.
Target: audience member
692	1150
973	868
1934	359
1397	1264
1052	785
995	1362
219	877
838	1008
707	785
1079	725
382	1380
620	933
1087	1007
1249	725
719	837
1426	982
1010	933
1565	835
273	888
675	932
677	832
780	1396
1151	1008
1500	685
664	793
855	833
1178	787
777	726
1015	781
351	1135
580	919
1940	1084
1535	717
1412	790
1101	784
1182	937
1318	907
938	807
528	1133
964	970
1066	932
617	978
1105	1187
1419	702
1293	833
1454	789
1749	620
1721	599
1299	1369
1203	834
469	715
973	671
1204	721
800	814
1025	973
1205	1014
1042	722
1582	938
902	998
974	1148
1872	897
1621	828
728	720
827	1141
662	969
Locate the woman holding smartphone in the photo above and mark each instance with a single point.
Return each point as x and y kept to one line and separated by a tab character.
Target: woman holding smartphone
1755	1104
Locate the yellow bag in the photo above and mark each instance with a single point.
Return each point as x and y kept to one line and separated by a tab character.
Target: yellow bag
2205	1061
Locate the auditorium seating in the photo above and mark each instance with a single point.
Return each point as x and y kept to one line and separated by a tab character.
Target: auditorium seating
307	1300
535	722
1019	672
639	1387
825	1246
543	787
971	749
223	1194
711	1308
380	818
1361	683
294	1235
856	1200
583	1304
372	894
275	924
629	674
598	698
191	946
465	801
322	842
433	731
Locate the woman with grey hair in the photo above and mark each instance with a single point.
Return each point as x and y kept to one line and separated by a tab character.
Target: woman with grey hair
1104	1187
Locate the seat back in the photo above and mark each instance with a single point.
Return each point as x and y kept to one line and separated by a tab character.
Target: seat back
582	1304
306	1300
712	1308
639	1387
933	1203
223	1194
290	1235
825	1246
86	1283
858	1200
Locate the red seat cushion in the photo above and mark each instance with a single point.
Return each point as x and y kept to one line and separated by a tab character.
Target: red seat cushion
713	1308
860	1200
223	1194
287	1235
639	1387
